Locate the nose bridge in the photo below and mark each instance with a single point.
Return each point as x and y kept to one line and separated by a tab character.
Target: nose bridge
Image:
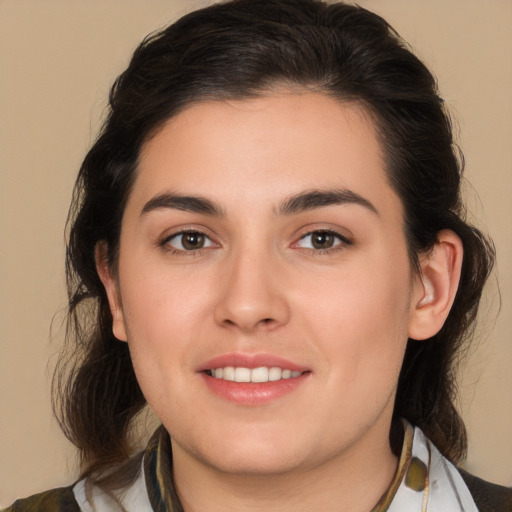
252	296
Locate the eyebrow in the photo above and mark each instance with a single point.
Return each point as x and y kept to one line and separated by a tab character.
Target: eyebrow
184	203
304	201
314	199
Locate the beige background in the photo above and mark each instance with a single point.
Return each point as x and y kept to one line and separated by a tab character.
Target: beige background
57	60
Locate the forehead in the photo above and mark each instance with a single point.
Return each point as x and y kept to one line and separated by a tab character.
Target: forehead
263	149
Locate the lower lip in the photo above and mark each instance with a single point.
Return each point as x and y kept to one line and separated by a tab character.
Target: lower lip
253	393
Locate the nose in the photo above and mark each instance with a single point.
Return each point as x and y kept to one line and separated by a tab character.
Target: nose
252	297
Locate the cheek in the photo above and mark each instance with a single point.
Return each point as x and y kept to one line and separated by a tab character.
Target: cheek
158	298
164	315
361	319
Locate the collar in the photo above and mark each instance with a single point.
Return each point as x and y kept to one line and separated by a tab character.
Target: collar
425	480
158	473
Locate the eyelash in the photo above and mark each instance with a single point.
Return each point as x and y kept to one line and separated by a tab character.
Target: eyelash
165	243
341	242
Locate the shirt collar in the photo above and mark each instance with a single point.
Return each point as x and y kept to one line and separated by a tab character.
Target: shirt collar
425	480
158	473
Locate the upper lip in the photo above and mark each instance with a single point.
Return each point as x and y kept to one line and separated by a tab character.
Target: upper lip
238	359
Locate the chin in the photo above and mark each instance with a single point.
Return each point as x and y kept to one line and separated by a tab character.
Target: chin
260	462
253	453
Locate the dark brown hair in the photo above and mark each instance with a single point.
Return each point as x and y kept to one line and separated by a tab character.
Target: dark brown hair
241	49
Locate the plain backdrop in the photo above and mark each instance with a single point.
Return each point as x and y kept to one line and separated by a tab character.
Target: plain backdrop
57	61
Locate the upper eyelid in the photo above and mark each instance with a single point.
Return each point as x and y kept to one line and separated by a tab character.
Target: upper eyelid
184	232
344	237
187	231
169	234
323	230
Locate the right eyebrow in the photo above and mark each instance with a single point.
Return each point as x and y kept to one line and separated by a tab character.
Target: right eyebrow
314	199
173	201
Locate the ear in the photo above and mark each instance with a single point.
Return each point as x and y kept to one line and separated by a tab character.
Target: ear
112	288
436	286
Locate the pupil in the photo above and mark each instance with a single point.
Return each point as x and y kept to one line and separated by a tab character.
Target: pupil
322	240
193	240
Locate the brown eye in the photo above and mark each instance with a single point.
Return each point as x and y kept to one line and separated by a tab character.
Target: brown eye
189	241
321	240
192	241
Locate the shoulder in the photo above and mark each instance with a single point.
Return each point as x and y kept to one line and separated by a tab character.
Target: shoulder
488	497
56	500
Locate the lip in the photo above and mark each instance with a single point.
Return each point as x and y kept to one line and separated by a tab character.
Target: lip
248	393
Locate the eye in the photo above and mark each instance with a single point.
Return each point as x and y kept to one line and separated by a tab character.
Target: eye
189	241
321	240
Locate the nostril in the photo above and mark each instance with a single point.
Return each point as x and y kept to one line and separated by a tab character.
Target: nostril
264	323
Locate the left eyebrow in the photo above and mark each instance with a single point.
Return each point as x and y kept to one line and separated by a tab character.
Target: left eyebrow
184	203
314	199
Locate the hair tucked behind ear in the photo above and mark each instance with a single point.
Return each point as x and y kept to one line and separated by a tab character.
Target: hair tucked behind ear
236	50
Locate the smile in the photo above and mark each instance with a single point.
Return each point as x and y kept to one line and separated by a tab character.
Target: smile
256	375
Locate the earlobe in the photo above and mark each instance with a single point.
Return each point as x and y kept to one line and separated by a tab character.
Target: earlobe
112	289
436	286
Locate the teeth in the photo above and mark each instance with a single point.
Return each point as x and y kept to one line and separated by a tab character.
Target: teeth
228	373
275	374
242	375
261	374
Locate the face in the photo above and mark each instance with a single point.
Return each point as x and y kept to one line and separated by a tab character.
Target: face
264	284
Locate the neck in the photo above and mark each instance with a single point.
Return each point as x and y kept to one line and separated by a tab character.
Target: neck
352	481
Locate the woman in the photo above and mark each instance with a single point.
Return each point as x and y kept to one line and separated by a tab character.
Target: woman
268	247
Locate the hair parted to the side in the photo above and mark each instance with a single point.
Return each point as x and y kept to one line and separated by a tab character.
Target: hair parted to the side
236	50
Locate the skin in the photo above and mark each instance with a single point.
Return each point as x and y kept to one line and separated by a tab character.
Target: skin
258	285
